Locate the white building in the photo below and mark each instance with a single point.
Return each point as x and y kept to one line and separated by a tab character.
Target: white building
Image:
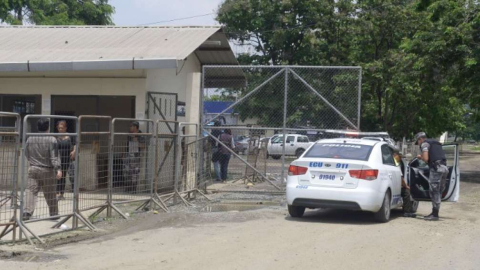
133	72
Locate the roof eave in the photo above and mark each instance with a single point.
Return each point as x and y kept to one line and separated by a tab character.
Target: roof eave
86	65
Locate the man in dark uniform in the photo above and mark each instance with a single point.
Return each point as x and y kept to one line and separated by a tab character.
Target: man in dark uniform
432	153
215	150
132	157
407	198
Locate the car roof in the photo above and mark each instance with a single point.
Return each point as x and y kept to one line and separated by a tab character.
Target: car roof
359	133
290	134
352	141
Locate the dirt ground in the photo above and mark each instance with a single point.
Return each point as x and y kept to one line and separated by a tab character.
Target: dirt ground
268	238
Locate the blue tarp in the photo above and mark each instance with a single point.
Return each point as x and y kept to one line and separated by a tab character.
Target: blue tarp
216	106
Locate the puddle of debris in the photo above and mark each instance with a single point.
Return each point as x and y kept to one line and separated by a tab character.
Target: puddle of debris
236	206
22	256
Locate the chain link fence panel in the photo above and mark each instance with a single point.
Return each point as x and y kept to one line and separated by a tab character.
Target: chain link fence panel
93	153
274	114
10	124
133	156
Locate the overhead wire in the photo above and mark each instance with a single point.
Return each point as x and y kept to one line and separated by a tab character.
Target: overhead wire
180	19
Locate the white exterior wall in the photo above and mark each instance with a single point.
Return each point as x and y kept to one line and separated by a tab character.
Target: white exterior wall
185	82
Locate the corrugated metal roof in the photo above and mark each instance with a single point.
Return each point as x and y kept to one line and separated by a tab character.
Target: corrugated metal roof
46	44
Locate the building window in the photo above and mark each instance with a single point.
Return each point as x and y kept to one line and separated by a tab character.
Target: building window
23	107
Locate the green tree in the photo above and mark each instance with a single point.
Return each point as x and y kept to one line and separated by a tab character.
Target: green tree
56	12
444	54
419	58
291	32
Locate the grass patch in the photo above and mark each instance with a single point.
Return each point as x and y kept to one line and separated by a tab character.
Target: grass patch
476	148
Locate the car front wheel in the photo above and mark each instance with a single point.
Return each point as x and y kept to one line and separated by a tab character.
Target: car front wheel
296	211
383	215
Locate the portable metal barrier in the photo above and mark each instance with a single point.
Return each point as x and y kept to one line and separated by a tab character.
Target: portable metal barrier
187	162
10	128
189	143
132	159
40	183
165	160
93	148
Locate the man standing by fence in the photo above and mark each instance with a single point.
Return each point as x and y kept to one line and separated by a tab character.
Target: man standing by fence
227	139
215	151
434	156
132	160
44	170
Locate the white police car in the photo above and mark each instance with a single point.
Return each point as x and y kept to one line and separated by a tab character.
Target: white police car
355	174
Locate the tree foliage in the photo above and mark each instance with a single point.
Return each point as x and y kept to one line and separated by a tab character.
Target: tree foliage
56	12
420	59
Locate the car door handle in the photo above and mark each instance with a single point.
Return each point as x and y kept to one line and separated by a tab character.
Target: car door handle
291	144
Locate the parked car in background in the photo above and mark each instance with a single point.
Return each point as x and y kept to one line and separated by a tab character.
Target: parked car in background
241	145
295	145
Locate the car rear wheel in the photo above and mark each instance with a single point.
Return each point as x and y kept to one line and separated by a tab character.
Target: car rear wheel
276	157
383	215
296	211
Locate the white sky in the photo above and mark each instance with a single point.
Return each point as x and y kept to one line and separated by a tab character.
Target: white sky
140	12
147	12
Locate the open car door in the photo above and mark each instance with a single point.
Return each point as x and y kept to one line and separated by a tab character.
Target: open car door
418	173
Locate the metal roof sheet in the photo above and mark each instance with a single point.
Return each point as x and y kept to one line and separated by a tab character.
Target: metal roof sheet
65	44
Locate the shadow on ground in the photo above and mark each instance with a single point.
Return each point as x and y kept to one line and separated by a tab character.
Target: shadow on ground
333	216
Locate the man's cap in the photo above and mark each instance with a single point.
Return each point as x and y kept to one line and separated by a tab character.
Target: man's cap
135	123
418	136
396	151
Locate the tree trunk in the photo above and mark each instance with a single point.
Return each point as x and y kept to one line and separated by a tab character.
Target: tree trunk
20	15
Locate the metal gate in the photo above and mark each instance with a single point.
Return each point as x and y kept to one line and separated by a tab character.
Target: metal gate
161	106
274	113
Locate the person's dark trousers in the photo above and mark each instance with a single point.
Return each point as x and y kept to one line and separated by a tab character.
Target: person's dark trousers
224	159
407	200
62	182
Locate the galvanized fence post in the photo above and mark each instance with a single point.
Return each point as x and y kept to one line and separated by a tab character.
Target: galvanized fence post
201	148
75	179
178	156
110	172
284	131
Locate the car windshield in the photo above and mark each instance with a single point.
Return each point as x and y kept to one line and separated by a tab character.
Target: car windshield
278	139
340	151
